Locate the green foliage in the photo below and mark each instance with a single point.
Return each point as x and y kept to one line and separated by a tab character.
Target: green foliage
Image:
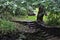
52	19
7	26
22	7
8	30
8	7
50	5
12	8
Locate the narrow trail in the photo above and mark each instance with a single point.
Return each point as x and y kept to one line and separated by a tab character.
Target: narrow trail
38	31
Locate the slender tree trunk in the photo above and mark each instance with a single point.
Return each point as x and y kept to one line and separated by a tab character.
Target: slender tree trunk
41	13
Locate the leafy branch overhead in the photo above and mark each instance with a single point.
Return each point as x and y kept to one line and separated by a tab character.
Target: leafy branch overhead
24	5
12	8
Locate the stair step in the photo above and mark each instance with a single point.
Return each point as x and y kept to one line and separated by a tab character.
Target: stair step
30	23
46	35
49	37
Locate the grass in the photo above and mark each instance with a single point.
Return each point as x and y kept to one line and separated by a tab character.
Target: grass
45	19
29	18
32	18
26	18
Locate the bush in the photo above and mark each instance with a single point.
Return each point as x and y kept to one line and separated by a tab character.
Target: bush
8	30
7	25
6	17
52	19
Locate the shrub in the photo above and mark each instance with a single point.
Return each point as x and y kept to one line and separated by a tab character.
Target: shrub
8	30
52	19
7	25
